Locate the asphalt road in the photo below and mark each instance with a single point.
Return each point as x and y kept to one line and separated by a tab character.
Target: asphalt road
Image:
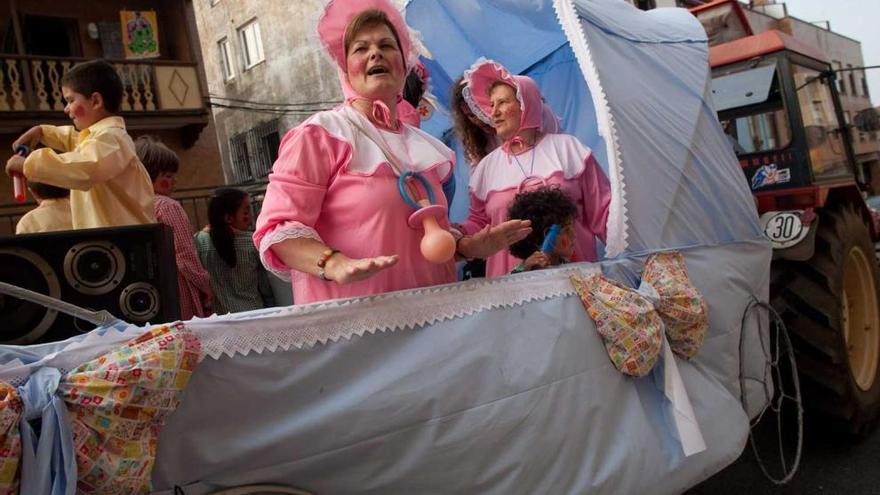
830	464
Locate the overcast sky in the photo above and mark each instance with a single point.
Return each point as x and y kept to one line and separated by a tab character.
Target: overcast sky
857	19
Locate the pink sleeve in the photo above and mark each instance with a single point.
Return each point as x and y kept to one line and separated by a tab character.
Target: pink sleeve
171	213
596	192
477	217
308	159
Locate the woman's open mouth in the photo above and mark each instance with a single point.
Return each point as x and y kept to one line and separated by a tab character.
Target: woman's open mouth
377	70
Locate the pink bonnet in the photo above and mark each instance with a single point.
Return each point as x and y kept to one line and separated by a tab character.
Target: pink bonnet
483	74
335	20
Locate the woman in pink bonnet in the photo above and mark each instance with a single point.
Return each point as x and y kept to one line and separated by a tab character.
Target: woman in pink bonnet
529	157
333	221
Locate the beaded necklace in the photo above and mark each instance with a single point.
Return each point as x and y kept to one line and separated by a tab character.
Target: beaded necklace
531	165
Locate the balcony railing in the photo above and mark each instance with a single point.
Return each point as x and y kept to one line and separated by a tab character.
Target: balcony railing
33	84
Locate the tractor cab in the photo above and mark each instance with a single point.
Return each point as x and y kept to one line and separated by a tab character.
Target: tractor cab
778	104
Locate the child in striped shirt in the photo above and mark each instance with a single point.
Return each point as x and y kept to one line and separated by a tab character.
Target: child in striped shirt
193	282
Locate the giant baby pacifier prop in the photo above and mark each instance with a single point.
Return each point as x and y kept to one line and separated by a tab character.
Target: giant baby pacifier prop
438	245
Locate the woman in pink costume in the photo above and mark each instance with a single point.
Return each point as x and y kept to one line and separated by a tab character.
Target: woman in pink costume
527	158
332	220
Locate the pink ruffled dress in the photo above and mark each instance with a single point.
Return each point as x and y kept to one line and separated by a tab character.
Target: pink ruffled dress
333	183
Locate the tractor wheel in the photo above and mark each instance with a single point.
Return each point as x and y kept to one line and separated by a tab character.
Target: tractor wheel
829	304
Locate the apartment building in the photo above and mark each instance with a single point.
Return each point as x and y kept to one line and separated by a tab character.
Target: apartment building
266	73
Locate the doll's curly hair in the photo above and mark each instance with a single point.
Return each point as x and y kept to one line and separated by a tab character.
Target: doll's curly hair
544	206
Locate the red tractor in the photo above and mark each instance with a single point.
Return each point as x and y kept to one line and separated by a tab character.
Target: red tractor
777	100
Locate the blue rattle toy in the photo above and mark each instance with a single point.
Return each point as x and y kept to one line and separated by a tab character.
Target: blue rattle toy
438	245
550	239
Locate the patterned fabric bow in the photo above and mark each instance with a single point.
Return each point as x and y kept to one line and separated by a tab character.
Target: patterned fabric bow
115	405
632	325
632	322
11	408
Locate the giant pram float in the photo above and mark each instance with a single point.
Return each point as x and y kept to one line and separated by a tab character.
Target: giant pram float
486	386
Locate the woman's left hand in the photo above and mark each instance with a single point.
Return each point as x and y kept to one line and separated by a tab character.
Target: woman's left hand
492	239
344	270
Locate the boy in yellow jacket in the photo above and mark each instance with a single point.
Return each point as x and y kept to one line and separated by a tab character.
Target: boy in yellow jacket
109	185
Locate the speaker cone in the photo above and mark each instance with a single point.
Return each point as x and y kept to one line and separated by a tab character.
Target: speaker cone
94	267
139	302
25	322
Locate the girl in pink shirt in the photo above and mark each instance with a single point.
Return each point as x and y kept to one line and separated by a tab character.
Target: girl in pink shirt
529	158
332	220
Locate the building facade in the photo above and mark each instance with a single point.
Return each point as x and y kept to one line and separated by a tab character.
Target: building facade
162	72
266	73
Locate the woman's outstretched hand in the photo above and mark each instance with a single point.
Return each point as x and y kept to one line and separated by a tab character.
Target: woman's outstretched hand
344	270
490	240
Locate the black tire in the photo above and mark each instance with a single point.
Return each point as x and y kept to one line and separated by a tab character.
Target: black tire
809	296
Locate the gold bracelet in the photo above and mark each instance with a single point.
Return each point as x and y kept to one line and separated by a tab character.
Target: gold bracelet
322	262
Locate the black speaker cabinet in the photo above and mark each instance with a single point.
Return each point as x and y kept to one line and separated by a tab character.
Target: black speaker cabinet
128	271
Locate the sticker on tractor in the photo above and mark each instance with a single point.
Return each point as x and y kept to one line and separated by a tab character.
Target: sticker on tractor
769	175
783	228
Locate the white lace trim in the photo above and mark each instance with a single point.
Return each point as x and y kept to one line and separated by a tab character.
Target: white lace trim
299	326
321	323
568	18
295	230
276	329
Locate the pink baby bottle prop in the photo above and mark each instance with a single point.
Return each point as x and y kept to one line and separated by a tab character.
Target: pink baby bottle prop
18	179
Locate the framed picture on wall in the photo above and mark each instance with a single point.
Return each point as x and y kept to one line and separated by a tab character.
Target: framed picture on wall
140	33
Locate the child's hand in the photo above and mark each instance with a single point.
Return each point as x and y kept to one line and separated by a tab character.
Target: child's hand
537	260
30	138
15	165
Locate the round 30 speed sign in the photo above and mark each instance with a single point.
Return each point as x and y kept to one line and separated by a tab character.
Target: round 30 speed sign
783	228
